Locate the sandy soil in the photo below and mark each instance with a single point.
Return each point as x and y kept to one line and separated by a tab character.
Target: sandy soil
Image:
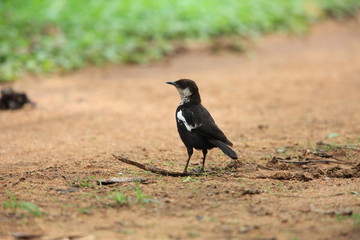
275	102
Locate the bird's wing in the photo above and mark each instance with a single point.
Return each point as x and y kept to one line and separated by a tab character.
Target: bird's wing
186	119
201	122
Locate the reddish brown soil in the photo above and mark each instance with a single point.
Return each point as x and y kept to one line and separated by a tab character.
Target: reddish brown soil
286	92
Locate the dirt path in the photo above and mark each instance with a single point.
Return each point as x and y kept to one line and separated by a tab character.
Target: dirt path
288	93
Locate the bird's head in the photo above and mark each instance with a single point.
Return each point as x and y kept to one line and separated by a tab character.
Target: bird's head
187	89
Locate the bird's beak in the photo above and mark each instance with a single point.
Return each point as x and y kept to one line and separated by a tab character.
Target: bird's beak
171	83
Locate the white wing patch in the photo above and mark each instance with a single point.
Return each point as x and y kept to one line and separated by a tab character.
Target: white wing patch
189	127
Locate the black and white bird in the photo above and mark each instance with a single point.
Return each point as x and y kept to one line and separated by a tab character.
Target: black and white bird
196	127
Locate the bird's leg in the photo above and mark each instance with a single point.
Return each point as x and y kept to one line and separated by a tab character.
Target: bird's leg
204	157
190	152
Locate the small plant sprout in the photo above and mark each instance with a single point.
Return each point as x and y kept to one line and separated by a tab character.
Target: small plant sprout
186	179
140	196
14	204
120	198
88	182
332	135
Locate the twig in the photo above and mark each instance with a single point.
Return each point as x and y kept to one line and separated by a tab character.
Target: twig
20	235
344	212
297	196
305	162
121	180
351	147
154	169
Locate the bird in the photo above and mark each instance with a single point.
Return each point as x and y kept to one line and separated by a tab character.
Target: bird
12	100
196	127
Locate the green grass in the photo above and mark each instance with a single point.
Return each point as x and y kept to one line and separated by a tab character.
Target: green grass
120	198
89	182
50	36
14	204
128	196
354	217
141	197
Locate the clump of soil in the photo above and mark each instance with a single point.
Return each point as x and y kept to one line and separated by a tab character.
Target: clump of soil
334	161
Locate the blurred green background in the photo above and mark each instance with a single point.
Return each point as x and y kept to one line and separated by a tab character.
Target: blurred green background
42	36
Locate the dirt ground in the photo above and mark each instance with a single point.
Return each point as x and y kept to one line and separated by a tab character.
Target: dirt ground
278	101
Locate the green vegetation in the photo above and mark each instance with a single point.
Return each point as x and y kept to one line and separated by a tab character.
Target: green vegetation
46	36
128	196
332	135
86	183
124	199
141	197
14	204
185	179
340	8
89	182
355	217
120	198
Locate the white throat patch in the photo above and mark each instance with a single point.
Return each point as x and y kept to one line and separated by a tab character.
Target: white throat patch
184	95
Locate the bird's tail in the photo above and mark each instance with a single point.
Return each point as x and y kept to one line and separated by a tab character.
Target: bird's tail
226	149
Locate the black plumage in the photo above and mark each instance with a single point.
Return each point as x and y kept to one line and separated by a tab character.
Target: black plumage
11	100
196	127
